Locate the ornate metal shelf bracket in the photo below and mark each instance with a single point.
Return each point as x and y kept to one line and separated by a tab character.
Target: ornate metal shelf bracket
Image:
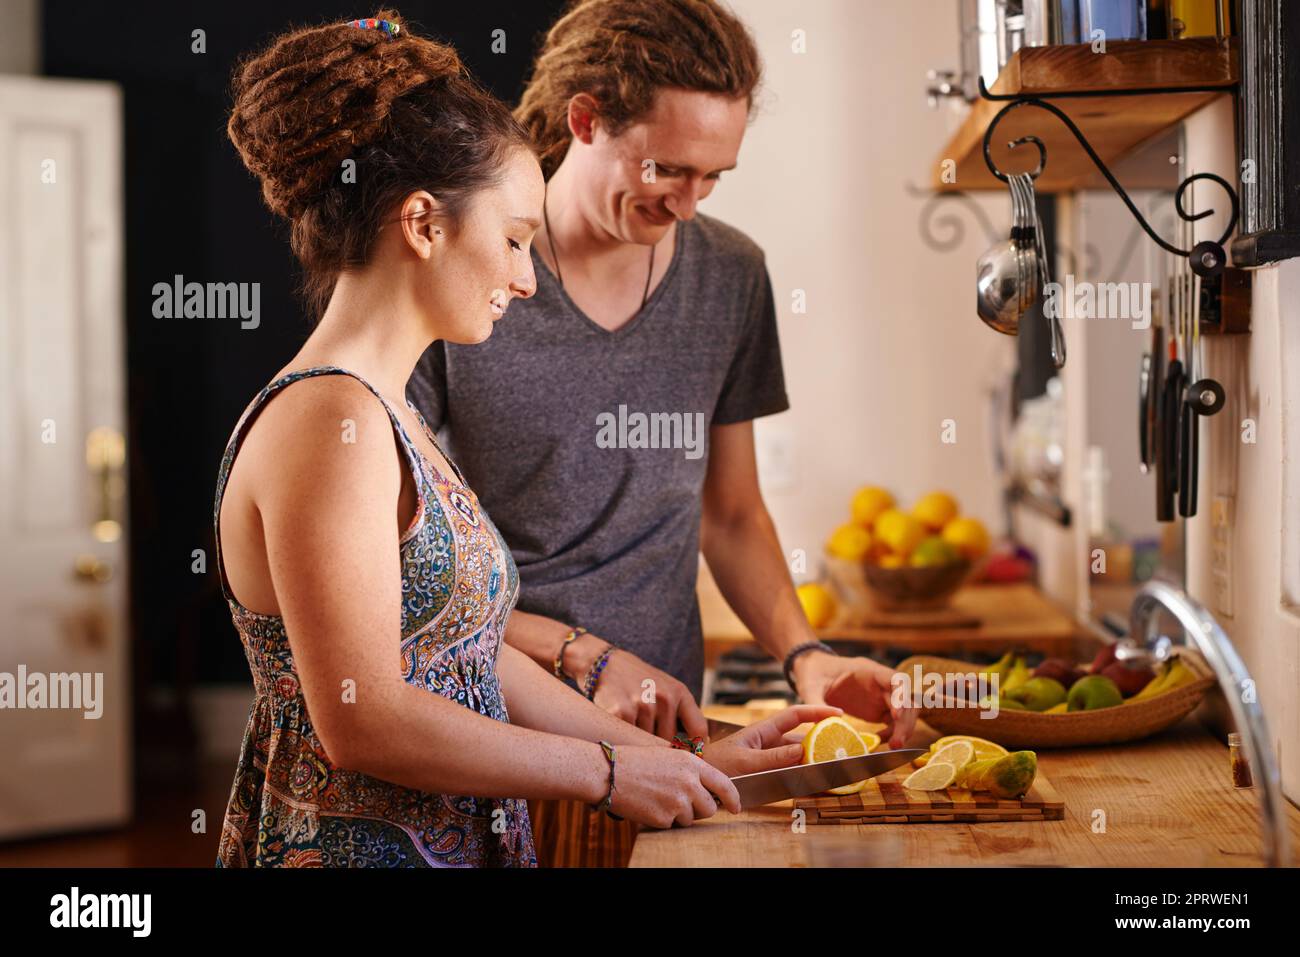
1205	258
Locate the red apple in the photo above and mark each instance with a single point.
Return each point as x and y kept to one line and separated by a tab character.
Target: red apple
1129	680
1104	658
1059	669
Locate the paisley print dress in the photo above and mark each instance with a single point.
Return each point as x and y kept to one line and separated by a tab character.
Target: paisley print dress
289	805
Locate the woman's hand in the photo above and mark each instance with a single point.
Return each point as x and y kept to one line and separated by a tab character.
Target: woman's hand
639	693
660	787
861	687
763	746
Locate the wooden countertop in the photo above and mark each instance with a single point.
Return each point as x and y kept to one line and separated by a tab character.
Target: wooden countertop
1016	615
1167	801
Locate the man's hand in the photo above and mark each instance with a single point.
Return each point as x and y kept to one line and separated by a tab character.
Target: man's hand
637	692
860	686
765	745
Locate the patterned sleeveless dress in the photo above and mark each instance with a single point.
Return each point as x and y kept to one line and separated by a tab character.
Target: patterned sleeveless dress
289	805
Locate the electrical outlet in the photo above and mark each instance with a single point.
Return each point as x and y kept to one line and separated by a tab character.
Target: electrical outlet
1221	553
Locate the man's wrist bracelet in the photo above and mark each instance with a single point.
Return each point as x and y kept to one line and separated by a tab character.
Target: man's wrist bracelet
684	743
788	668
559	655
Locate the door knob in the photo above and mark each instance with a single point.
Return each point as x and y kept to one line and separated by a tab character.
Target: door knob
91	568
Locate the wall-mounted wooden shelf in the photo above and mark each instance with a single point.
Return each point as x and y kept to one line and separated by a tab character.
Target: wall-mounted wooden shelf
1115	125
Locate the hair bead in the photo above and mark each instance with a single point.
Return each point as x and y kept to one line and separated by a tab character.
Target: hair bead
387	26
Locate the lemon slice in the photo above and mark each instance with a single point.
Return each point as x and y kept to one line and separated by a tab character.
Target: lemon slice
935	776
983	748
958	754
848	788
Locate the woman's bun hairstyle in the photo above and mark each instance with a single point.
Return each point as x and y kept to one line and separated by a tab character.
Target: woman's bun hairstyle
402	107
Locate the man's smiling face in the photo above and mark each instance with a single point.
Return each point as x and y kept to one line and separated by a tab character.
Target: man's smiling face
687	140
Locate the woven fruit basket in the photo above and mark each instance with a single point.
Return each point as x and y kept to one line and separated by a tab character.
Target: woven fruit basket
1029	729
865	585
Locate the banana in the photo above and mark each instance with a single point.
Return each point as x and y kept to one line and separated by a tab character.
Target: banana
1001	668
1018	676
1155	685
1174	675
1179	675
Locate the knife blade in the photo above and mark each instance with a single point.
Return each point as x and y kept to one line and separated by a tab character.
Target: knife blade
720	729
764	787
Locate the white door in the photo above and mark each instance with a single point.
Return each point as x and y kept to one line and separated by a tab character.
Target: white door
63	582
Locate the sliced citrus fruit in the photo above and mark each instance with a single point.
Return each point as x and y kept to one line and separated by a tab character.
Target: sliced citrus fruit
830	739
833	738
984	748
958	754
935	776
872	741
848	788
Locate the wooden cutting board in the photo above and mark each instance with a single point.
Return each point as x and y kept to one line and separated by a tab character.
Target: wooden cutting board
884	800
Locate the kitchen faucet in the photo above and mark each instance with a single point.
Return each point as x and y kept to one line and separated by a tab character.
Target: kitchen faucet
1203	632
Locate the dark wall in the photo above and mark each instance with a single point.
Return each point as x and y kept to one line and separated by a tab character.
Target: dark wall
192	208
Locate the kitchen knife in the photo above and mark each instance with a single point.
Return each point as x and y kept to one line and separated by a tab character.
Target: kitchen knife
764	787
1167	466
721	729
1144	431
1188	459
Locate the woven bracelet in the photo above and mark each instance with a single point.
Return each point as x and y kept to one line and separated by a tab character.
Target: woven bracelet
610	755
559	655
593	676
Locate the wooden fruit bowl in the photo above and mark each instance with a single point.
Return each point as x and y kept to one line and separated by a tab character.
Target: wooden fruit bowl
1030	729
867	585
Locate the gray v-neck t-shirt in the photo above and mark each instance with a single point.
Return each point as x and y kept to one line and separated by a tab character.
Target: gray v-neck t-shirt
589	448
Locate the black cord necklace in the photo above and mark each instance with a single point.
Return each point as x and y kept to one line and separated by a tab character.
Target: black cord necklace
550	241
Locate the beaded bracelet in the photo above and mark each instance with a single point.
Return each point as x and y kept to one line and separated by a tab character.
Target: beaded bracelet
559	656
593	676
787	667
683	743
610	755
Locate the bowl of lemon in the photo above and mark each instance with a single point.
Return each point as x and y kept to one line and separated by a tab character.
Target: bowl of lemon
891	558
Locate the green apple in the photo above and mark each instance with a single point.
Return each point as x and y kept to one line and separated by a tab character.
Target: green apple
1093	692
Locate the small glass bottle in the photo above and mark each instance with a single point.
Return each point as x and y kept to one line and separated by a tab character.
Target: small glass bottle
1240	762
